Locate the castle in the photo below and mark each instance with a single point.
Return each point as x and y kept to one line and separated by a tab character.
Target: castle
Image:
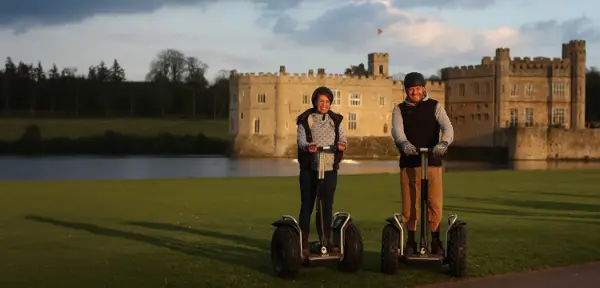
480	100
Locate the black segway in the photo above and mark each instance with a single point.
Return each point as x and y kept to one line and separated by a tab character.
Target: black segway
392	242
346	242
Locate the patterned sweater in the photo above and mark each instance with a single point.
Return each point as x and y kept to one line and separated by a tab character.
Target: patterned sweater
323	133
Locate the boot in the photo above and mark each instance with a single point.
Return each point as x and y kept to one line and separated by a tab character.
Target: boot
411	244
437	247
305	248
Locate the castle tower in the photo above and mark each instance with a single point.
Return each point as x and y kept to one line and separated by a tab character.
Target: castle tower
378	64
501	85
575	50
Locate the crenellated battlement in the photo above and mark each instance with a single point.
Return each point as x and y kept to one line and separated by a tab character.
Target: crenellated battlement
378	57
470	71
310	76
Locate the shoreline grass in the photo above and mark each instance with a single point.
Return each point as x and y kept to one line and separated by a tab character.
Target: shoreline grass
215	232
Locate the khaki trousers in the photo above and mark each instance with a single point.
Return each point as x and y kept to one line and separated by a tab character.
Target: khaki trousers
410	183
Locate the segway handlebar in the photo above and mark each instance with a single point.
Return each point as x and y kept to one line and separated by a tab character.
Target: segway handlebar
326	148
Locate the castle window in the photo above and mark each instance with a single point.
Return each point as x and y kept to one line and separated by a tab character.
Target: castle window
476	89
529	90
514	90
352	122
385	128
514	117
261	98
305	98
355	99
242	115
461	89
336	97
528	117
381	101
558	116
381	69
257	126
558	89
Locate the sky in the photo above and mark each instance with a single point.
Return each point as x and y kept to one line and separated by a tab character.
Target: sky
261	35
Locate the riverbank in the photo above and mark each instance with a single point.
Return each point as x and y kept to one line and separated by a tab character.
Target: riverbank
180	232
113	137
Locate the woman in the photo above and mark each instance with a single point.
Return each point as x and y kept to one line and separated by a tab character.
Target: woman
318	126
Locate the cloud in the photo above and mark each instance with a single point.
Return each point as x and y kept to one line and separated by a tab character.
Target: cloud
442	4
23	15
419	41
551	32
411	38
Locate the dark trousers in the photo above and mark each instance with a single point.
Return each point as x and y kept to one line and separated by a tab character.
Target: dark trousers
308	193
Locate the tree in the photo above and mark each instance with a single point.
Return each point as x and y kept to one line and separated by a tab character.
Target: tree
116	74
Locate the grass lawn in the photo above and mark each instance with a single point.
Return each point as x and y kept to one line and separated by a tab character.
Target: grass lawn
216	232
12	129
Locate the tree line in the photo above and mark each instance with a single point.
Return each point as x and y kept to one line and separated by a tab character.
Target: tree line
175	85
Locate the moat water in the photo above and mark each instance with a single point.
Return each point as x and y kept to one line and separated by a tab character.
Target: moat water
114	168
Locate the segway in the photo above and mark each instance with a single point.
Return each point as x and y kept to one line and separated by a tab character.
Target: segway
346	242
392	242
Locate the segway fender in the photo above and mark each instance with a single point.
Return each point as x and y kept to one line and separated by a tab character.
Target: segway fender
287	220
395	220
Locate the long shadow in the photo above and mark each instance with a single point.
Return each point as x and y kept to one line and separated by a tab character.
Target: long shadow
553	194
537	204
253	259
507	212
252	242
371	258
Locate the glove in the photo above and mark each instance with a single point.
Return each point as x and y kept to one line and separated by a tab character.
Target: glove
408	149
440	149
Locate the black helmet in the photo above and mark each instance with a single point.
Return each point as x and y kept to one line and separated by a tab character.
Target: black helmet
413	79
319	91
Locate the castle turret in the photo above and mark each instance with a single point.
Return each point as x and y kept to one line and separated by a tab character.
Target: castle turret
378	64
575	51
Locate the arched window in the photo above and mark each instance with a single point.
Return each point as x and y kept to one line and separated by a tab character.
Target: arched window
385	128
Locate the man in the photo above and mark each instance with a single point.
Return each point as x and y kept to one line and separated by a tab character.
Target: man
318	126
416	123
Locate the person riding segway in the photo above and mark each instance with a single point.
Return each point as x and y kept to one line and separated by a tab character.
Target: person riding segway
321	143
417	122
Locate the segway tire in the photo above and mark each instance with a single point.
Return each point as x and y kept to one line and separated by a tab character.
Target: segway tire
390	248
457	251
353	250
285	252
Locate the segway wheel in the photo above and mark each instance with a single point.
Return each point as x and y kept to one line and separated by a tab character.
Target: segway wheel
457	251
353	250
285	252
390	248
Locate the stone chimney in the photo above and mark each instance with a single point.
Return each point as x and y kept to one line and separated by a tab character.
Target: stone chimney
282	69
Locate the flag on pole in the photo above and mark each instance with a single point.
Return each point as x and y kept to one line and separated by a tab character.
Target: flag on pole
379	31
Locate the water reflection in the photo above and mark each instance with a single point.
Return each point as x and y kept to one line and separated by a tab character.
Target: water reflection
81	168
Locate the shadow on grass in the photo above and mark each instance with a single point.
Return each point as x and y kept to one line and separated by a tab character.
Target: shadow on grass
251	258
539	204
371	258
552	194
524	215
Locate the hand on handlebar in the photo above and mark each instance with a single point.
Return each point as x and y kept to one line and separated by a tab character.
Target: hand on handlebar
341	146
312	148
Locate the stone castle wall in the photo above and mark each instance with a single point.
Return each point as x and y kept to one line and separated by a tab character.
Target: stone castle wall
553	144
